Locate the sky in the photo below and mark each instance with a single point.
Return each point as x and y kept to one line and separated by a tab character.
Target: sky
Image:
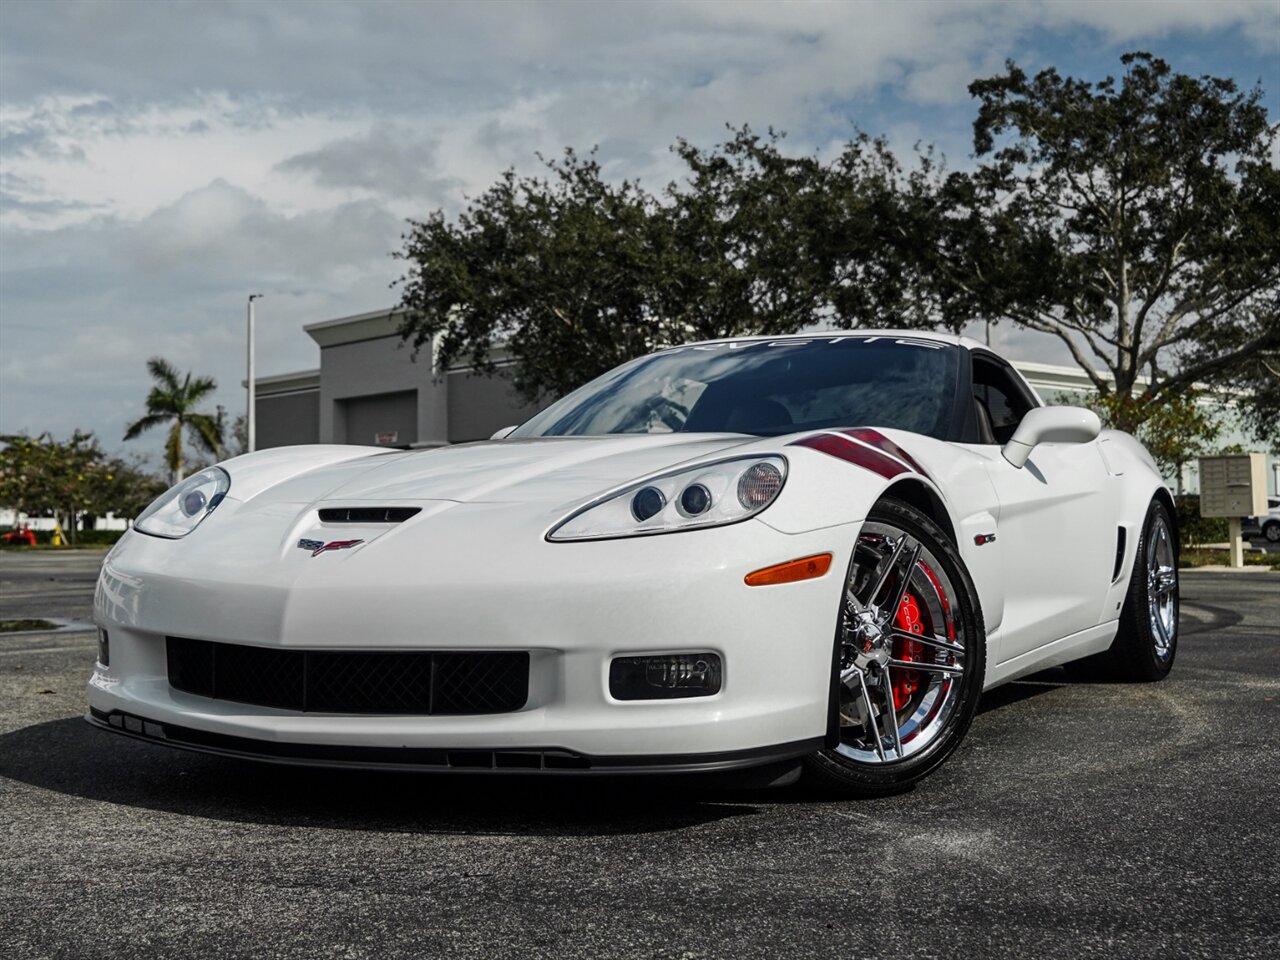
159	162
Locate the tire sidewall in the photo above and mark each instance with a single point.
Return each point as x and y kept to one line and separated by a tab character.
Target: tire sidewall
842	771
1138	641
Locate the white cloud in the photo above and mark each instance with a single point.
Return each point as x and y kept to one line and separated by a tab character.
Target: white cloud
159	161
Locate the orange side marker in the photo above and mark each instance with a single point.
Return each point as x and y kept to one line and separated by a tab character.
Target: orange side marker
806	568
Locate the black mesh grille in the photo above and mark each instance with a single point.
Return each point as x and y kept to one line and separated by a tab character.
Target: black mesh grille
465	682
325	681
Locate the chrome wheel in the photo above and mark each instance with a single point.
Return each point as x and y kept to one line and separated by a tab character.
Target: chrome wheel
902	648
1162	587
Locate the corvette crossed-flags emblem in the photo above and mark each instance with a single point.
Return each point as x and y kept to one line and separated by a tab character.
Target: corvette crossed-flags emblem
318	547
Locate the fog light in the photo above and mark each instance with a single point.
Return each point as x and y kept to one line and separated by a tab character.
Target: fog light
104	648
667	677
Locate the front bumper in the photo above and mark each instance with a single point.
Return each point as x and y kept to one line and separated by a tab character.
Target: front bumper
574	607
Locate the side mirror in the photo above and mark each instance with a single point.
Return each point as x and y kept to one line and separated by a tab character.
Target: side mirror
502	434
1050	425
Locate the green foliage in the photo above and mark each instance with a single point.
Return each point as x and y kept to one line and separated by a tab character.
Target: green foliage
1175	429
1195	530
572	275
97	538
1136	219
71	477
173	401
39	473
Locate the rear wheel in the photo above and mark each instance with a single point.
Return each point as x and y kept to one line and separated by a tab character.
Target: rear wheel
910	656
1147	638
1272	531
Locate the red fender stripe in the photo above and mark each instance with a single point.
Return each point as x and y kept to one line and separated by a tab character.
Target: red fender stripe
848	449
878	440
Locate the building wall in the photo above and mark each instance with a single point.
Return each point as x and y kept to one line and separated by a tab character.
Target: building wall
479	406
288	418
389	419
379	368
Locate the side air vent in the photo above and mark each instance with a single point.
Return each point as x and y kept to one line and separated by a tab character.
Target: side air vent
367	514
1115	573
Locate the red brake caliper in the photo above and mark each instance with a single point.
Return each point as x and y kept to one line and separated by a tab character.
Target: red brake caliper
906	682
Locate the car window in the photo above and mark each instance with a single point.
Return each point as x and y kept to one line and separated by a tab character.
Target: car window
1000	395
766	388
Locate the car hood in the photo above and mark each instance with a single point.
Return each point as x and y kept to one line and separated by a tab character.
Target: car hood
542	471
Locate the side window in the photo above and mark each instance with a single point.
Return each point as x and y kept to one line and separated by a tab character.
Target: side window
999	397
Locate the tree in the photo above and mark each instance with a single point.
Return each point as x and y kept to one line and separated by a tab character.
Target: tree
1175	430
1137	221
558	271
173	401
40	475
122	487
572	275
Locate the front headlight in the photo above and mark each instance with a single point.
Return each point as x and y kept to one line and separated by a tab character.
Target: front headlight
179	510
708	495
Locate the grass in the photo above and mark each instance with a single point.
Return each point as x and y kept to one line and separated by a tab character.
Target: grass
14	626
1206	557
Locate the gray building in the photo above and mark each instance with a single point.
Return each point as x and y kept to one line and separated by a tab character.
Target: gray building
369	389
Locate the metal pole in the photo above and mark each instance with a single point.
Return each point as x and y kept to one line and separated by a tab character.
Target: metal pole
251	413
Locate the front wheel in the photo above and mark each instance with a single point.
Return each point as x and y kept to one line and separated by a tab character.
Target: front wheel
910	657
1272	532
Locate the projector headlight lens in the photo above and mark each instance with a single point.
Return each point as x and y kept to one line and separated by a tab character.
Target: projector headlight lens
179	510
707	495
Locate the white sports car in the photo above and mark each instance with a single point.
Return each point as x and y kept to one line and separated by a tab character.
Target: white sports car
811	552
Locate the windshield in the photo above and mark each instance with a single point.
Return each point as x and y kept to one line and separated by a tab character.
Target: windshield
765	388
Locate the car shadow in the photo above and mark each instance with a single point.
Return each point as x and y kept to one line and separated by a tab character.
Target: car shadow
1017	691
70	757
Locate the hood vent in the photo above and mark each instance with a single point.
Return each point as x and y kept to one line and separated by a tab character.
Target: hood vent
367	514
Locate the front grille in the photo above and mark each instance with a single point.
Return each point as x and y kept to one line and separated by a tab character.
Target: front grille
326	681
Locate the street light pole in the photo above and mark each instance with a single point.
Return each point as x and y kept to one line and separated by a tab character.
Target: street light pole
251	414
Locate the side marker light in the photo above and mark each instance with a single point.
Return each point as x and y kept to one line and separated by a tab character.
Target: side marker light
806	568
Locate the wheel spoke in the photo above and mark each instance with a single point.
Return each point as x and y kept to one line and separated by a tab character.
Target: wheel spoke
903	581
891	711
871	715
938	643
925	666
888	568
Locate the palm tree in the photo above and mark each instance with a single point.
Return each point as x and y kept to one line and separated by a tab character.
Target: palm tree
174	400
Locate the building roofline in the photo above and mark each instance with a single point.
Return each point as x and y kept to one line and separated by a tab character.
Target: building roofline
371	325
296	382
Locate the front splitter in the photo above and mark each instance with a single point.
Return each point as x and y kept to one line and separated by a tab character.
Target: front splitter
554	761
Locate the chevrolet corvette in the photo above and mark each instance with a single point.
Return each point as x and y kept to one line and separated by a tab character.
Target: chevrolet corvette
783	555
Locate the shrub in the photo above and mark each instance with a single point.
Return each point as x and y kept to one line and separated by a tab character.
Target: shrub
1194	529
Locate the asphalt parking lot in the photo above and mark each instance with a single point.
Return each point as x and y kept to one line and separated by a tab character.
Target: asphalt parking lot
1078	820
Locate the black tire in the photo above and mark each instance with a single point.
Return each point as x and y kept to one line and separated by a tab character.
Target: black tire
1144	648
1271	531
935	716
